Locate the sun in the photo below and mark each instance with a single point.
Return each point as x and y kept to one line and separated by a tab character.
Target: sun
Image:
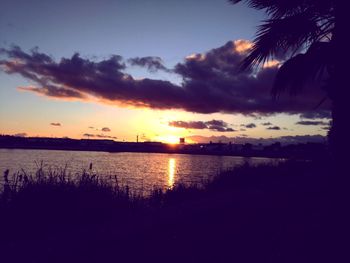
171	139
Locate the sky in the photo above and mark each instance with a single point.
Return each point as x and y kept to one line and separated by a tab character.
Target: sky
157	69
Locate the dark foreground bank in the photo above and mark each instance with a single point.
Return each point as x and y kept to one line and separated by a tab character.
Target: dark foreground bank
252	214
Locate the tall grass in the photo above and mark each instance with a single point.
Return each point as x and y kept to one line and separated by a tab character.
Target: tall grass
264	176
264	213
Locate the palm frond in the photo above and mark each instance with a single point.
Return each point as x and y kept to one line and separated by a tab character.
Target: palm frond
280	8
299	70
276	35
290	76
293	27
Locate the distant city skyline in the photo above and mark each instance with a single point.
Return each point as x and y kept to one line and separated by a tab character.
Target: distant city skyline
158	69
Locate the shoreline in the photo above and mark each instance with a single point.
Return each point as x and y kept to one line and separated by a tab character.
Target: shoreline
275	150
131	151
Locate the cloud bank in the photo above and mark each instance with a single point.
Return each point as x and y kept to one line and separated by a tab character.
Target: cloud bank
211	83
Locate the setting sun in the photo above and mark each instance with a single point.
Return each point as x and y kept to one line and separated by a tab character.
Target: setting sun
171	139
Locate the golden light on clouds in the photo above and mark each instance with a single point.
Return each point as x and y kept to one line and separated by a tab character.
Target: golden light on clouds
196	56
242	45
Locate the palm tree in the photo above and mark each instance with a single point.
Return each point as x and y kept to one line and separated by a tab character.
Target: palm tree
305	31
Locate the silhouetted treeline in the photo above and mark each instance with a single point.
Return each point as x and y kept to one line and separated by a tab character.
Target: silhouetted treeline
276	150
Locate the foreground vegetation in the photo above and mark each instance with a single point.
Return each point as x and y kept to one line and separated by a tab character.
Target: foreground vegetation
265	213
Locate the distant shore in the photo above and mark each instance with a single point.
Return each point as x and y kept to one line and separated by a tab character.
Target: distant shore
276	150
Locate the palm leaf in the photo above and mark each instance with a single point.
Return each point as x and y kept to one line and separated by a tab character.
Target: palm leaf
276	35
280	8
299	70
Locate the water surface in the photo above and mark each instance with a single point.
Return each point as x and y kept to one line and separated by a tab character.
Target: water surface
142	172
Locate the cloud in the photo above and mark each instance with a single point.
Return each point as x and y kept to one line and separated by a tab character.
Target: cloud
214	125
322	114
242	46
21	134
284	140
255	116
249	126
211	83
153	64
102	136
218	125
312	123
106	129
273	128
55	124
189	124
266	123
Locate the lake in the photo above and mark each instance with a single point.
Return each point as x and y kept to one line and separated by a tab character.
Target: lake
142	172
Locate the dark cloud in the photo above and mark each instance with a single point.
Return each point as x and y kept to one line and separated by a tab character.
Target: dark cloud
106	129
218	125
153	64
273	128
101	136
266	123
214	125
212	82
249	126
220	129
321	114
21	134
285	140
189	124
255	116
93	128
312	123
55	124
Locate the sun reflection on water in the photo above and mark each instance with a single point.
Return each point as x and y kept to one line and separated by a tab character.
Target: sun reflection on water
171	172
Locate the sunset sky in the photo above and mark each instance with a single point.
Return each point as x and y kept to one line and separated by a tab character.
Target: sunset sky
157	69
